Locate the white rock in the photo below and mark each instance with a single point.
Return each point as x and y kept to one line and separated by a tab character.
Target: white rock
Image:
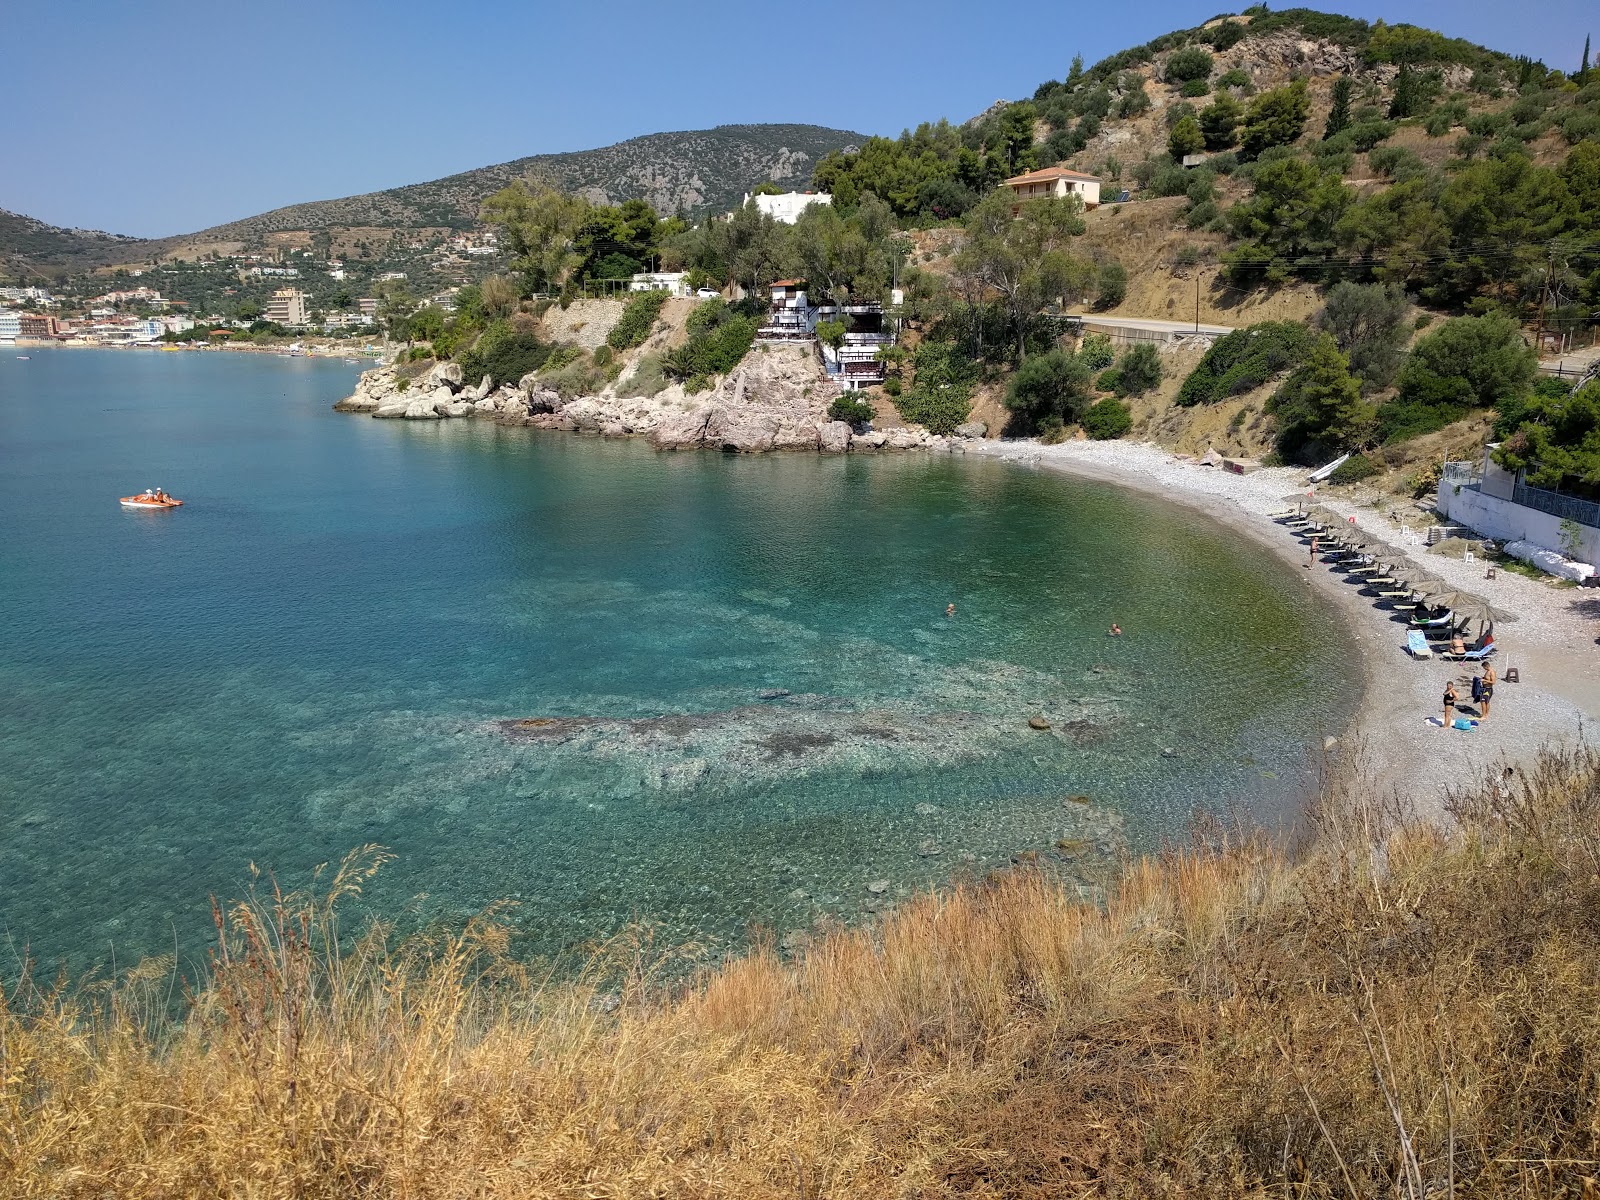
444	375
833	437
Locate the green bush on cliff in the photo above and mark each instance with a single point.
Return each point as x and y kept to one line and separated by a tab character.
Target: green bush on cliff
1246	359
504	353
940	396
637	320
719	338
1107	419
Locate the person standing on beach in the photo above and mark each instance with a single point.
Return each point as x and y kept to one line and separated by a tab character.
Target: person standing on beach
1313	551
1488	690
1449	703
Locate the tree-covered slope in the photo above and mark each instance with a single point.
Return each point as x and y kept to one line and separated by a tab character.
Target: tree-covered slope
31	251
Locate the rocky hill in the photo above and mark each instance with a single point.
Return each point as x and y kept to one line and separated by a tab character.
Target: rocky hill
695	171
31	250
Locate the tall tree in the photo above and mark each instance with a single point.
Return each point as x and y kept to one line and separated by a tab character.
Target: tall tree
1370	324
1185	139
541	227
1219	122
1339	114
1319	408
1024	260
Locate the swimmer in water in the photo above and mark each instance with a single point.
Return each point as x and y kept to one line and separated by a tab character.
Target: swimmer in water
949	610
1115	631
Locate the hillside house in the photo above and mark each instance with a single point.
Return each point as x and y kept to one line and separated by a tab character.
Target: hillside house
1057	182
855	363
790	316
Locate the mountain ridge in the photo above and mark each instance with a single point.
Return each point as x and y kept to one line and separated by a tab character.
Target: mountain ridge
693	170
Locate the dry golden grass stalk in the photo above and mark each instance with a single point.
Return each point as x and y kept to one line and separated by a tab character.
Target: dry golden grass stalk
1399	1011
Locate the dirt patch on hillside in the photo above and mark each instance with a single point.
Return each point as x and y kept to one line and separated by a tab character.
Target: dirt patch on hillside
583	323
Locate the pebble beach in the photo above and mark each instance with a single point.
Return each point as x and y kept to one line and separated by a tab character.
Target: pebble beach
1392	747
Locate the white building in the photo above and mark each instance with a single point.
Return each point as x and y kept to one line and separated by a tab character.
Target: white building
672	282
10	326
367	306
788	206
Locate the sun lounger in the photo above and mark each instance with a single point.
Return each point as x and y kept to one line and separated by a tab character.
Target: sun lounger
1401	595
1477	654
1417	645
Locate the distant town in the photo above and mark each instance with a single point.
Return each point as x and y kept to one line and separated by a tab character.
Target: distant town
259	296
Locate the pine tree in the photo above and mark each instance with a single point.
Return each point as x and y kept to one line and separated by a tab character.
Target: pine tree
1407	94
1319	408
1583	69
1339	115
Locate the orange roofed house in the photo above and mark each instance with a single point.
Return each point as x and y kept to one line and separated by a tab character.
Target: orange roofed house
1054	181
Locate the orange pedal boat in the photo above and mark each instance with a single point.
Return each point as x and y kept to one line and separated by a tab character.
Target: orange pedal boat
151	498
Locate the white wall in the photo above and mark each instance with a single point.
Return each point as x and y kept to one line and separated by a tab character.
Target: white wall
1507	522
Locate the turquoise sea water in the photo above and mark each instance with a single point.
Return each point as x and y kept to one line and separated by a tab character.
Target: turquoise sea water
312	654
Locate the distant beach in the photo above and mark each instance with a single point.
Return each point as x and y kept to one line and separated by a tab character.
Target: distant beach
1390	743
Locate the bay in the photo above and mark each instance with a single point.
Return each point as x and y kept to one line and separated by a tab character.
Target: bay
316	651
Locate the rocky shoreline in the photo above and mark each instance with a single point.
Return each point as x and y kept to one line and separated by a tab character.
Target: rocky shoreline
777	399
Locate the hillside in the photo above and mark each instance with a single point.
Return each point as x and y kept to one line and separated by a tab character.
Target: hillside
30	249
695	171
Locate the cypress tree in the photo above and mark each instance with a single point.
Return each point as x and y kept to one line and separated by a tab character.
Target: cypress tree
1339	115
1583	68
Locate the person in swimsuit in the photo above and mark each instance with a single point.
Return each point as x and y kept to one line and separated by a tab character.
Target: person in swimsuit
1115	630
1457	646
1449	703
949	610
1313	550
1488	690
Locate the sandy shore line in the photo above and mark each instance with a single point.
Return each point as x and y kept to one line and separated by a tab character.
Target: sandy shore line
1391	744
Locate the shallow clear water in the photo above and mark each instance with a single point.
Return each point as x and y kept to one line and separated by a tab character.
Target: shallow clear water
313	653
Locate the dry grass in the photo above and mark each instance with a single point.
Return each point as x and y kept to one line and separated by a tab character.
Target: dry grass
1396	1012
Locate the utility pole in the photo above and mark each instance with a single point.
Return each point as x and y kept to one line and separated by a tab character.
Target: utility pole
1197	299
1544	299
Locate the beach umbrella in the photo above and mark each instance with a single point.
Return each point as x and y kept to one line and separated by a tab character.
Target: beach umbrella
1421	582
1480	610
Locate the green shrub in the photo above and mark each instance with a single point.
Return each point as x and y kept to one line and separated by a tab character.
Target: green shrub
1245	359
1225	37
1354	469
1107	419
1188	64
1113	285
1237	77
1049	385
1140	370
1096	352
637	320
1108	380
1367	134
504	353
719	338
603	356
893	386
940	396
851	410
1401	420
574	379
648	378
1195	87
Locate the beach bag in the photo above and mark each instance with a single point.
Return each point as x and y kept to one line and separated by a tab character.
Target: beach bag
1462	723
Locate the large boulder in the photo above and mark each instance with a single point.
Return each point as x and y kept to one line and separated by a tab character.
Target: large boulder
742	432
543	400
441	399
423	408
904	439
833	437
445	374
459	409
681	431
872	441
488	405
394	407
972	429
361	402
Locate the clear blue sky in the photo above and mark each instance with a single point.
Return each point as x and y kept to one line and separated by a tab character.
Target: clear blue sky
157	117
